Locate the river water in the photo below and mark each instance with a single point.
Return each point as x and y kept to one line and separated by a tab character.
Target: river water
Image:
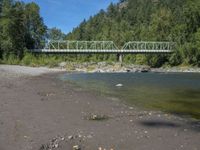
177	93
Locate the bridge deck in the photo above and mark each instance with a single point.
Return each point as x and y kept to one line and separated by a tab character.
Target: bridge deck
98	51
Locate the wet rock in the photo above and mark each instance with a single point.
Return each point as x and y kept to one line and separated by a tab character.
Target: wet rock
119	85
144	70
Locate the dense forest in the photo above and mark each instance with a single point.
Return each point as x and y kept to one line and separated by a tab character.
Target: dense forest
22	28
148	20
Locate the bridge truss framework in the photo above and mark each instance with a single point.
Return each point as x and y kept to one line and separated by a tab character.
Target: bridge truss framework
105	47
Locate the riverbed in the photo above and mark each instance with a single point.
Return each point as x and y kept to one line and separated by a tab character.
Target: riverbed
41	112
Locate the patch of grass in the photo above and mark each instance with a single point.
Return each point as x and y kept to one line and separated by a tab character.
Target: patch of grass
11	60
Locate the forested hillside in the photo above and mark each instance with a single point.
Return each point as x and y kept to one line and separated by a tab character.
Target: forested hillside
22	28
148	20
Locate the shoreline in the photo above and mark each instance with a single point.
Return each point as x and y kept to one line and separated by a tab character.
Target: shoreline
21	71
104	67
101	67
41	113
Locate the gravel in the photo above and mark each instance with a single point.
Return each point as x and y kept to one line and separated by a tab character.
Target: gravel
23	71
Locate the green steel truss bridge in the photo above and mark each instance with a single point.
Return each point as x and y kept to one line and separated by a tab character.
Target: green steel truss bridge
109	47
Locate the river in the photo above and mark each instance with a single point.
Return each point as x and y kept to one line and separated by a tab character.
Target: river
176	93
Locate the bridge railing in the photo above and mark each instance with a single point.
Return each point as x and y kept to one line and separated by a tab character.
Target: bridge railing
80	45
143	45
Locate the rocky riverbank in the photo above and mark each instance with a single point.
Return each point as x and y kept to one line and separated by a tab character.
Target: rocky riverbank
44	113
104	67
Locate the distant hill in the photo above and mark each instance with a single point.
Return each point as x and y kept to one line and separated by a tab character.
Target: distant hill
151	20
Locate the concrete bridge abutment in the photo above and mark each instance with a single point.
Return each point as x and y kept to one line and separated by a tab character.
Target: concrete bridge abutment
120	57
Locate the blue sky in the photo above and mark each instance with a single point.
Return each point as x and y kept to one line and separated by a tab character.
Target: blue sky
67	14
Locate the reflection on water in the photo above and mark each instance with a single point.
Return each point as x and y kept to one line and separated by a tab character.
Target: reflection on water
177	93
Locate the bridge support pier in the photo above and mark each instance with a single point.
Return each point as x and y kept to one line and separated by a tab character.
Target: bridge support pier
120	58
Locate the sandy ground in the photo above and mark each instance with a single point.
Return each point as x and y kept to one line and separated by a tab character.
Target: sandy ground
16	70
39	112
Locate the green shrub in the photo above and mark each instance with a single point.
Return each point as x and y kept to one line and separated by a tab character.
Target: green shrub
11	60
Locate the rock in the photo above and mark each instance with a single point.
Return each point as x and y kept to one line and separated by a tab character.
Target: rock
70	137
185	130
62	138
62	64
79	135
181	146
119	85
56	145
128	70
76	147
89	136
131	108
94	117
145	69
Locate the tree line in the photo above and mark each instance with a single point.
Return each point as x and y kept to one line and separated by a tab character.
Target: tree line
22	28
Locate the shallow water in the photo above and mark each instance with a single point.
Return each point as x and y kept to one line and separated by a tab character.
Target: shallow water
177	93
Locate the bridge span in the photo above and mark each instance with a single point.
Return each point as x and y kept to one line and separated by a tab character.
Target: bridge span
109	47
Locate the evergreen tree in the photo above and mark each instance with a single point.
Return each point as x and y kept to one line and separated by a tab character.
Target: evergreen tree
1	51
6	23
35	28
55	34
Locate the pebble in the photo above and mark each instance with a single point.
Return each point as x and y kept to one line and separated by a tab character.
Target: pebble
76	147
185	130
94	117
79	136
136	131
62	138
70	137
56	145
25	137
119	85
131	108
89	136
